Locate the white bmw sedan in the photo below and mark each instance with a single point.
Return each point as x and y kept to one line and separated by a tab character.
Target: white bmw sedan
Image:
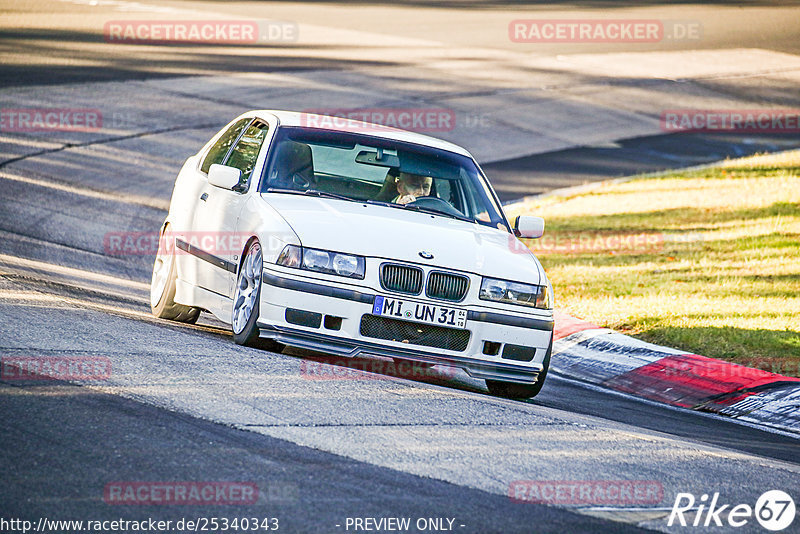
355	239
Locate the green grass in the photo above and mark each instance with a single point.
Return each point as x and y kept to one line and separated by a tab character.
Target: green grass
715	270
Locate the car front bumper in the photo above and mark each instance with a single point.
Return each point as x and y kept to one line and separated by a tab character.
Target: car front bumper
346	305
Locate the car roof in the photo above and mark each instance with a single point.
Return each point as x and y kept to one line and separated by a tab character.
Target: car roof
311	120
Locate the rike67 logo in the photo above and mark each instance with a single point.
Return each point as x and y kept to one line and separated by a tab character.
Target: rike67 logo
774	510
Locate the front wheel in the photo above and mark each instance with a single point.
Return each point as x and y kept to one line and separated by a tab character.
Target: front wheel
516	390
246	301
163	285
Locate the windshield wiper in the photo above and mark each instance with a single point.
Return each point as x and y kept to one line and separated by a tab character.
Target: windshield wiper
280	190
310	192
420	209
382	203
318	193
433	211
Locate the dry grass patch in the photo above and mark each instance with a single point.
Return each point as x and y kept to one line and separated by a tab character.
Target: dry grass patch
706	261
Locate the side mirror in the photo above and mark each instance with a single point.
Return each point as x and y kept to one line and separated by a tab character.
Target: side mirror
529	227
224	177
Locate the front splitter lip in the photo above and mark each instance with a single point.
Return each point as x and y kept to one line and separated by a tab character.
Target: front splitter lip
481	369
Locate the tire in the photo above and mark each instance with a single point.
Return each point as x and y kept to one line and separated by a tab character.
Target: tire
246	301
163	285
515	390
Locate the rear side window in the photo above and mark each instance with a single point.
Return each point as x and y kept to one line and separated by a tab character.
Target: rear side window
222	146
244	154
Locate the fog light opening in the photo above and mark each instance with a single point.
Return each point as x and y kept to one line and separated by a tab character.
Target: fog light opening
332	323
491	348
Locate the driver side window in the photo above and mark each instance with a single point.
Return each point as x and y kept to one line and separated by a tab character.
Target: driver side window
244	154
217	153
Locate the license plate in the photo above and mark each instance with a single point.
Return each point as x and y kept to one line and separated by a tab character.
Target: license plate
419	312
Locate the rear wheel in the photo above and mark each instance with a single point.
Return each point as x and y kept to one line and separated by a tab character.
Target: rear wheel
515	390
163	285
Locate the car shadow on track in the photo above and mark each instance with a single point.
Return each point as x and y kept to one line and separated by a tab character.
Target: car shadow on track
322	366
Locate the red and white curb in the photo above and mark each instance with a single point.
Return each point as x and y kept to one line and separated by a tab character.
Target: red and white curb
587	352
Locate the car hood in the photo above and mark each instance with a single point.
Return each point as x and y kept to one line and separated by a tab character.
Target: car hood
390	233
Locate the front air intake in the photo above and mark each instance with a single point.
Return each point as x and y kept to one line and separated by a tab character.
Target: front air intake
401	278
446	286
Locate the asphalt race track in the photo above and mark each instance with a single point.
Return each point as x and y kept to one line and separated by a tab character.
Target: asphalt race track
324	444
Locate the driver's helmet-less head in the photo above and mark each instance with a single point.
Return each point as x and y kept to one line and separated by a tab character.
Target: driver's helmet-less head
416	184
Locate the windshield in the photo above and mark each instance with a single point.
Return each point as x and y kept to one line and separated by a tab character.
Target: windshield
383	171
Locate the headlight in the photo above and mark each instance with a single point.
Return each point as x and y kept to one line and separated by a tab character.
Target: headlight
316	260
290	256
322	261
516	293
550	300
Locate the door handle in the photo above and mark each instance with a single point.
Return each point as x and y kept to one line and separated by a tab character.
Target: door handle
204	197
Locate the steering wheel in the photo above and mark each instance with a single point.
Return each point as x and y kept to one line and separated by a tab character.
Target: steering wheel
437	204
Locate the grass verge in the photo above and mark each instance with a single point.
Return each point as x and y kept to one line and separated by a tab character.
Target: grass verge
706	261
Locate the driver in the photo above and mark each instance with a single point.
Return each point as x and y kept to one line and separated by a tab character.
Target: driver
411	186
